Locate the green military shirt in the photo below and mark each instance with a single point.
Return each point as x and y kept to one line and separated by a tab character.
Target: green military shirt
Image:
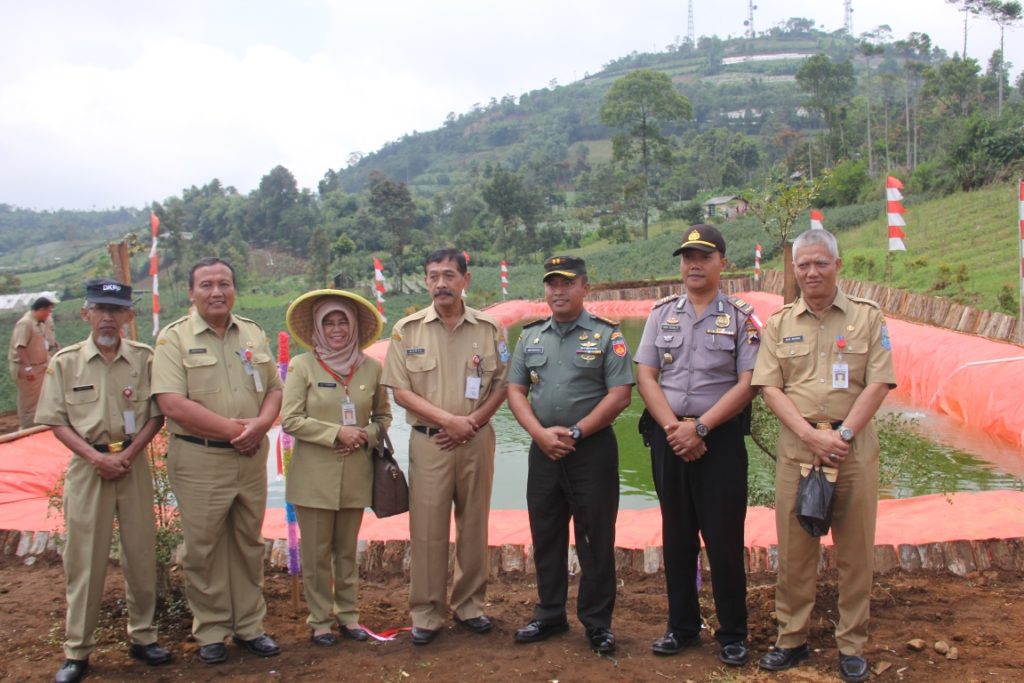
191	360
568	373
81	391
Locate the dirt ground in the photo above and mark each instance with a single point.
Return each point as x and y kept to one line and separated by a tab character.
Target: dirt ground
982	616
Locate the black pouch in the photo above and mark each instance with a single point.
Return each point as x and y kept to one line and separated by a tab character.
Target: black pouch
814	500
644	426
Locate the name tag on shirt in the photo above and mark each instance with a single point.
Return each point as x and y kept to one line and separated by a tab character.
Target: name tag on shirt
534	349
790	340
84	387
194	351
327	385
418	351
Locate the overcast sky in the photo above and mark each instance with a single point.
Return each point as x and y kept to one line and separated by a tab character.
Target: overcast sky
110	103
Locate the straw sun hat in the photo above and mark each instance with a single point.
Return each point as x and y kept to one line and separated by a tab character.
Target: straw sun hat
300	316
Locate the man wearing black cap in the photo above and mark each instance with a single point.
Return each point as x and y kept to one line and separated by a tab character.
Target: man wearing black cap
570	378
28	356
694	364
96	397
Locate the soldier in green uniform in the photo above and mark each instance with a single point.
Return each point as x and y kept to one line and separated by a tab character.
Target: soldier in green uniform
569	379
216	381
96	396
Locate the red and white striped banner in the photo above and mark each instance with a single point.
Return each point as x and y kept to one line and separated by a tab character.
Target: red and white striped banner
816	220
1020	319
378	285
154	270
894	210
757	264
504	279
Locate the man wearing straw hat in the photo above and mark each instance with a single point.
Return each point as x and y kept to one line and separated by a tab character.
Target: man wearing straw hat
96	397
337	410
217	383
446	365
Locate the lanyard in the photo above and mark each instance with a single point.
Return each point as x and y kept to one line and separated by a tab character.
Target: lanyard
332	373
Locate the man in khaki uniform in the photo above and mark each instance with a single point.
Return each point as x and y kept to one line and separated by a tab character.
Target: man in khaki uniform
825	367
28	357
446	365
215	380
96	396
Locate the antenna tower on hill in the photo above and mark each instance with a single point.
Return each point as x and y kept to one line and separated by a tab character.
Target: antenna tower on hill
749	23
690	37
848	16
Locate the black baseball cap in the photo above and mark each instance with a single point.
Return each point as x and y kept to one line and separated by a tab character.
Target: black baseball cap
107	291
704	238
566	266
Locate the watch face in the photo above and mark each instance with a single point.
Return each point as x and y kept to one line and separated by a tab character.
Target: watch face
702	430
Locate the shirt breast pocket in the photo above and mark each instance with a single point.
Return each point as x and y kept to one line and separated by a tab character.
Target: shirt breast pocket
721	350
855	355
590	361
485	368
81	404
201	375
423	373
794	359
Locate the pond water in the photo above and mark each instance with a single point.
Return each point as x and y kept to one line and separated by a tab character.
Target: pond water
961	460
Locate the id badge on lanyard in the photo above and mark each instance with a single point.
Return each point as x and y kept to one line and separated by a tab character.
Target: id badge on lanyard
473	381
840	370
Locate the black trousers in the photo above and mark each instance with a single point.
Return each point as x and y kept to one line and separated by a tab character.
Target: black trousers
584	486
707	497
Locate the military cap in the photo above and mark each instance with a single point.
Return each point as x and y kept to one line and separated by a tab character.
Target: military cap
566	266
704	238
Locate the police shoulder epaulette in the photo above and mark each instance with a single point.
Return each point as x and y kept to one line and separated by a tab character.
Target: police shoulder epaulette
861	300
664	300
537	322
740	305
606	321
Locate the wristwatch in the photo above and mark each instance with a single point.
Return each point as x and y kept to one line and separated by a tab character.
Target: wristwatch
702	429
575	432
845	433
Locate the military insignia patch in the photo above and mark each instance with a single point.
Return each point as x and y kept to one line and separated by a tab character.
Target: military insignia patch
618	345
886	342
503	353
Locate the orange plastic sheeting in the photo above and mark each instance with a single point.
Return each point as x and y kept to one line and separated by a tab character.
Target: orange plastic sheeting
29	470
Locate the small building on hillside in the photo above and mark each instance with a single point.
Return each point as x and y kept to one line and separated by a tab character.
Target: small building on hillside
727	206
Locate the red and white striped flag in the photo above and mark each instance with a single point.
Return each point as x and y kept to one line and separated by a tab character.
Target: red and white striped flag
1020	320
378	285
757	264
504	280
894	210
816	220
154	270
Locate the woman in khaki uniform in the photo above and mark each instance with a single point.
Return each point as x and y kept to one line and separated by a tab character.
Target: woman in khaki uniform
336	408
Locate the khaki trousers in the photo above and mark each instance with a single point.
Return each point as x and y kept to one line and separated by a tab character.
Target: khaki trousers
328	550
853	532
28	394
90	504
437	480
222	497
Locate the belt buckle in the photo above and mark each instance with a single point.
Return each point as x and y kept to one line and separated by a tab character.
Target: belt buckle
115	447
824	426
689	419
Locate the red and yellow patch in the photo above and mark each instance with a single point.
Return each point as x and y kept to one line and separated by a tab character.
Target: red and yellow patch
619	346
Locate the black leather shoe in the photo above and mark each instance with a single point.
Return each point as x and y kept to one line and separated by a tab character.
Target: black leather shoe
72	671
853	668
151	654
536	631
669	644
324	639
480	624
422	636
734	654
782	658
214	653
261	646
354	632
602	640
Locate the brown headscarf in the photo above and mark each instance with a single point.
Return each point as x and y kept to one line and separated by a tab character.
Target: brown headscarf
350	356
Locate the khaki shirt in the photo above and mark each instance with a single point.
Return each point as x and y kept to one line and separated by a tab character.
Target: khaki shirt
699	357
81	391
29	332
311	412
191	360
568	374
799	350
50	336
427	359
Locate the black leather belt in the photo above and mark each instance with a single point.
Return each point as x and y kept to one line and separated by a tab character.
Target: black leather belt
115	447
825	424
209	443
429	431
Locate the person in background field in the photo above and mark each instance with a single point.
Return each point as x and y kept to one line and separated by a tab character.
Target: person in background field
96	397
28	358
570	378
694	364
336	408
446	365
824	369
217	383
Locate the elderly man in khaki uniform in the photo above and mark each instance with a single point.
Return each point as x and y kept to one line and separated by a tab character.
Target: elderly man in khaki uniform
28	358
446	365
825	367
96	397
217	383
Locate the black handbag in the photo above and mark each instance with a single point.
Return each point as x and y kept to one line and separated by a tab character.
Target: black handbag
814	500
390	490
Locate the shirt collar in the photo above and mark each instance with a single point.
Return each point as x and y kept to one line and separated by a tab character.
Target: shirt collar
842	302
710	309
468	315
199	324
91	350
